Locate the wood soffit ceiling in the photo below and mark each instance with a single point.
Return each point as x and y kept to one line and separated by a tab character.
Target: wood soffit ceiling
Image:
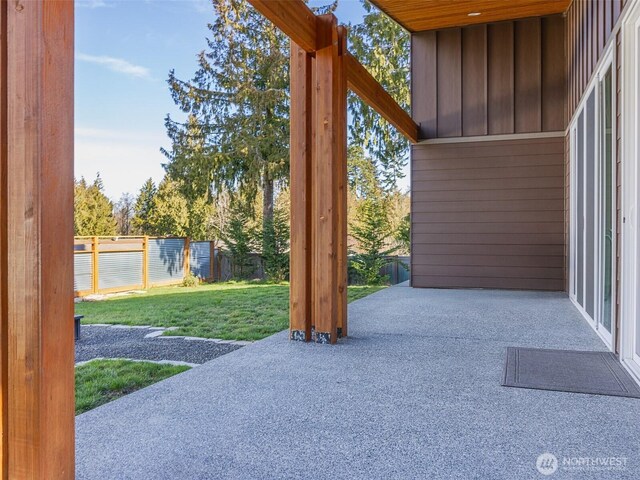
420	15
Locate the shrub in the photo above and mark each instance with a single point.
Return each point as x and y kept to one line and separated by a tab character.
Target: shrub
275	247
190	281
372	231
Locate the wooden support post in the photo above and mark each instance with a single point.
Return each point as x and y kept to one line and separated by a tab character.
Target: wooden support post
145	262
36	240
187	256
333	70
212	260
340	165
95	264
329	119
301	149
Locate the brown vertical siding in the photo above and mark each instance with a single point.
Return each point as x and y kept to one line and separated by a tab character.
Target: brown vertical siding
553	74
528	75
600	22
449	71
590	24
474	88
424	82
489	214
500	78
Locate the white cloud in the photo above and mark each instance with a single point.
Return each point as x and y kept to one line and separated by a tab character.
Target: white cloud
125	159
116	65
118	135
92	4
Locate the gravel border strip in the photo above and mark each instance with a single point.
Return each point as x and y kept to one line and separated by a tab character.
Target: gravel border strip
161	362
159	331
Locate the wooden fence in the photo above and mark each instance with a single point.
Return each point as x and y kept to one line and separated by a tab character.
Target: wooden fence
117	264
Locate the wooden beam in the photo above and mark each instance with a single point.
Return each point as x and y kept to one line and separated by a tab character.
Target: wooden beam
328	156
299	23
294	18
301	148
36	239
369	90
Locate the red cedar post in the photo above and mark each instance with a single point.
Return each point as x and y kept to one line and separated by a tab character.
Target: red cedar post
212	259
145	262
36	239
187	257
329	89
341	179
301	185
95	265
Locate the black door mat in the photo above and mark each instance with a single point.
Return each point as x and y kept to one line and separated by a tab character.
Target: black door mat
597	373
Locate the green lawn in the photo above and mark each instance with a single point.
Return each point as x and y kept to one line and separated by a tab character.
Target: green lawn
100	381
231	311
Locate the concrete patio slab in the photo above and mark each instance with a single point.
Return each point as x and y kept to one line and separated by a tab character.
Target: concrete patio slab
414	392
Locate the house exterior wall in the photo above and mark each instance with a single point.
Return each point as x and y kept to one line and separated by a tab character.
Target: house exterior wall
489	214
488	184
590	24
490	79
618	219
590	27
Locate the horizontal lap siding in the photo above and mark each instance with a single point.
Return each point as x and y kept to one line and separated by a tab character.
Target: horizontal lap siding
489	214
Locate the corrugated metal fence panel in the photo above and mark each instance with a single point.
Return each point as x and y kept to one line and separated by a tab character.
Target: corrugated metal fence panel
397	270
119	269
200	259
82	274
227	268
166	260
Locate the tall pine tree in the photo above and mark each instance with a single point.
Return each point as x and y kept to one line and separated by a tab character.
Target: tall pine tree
169	216
236	134
93	211
143	207
383	47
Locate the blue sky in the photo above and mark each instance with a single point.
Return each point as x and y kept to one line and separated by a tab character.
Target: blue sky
124	51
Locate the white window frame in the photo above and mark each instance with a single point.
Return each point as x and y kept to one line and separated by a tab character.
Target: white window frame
630	183
607	61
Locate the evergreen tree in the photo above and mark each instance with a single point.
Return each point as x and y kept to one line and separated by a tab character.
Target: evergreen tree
236	134
275	250
362	176
383	47
143	207
93	211
372	231
169	216
238	237
403	234
370	223
200	223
